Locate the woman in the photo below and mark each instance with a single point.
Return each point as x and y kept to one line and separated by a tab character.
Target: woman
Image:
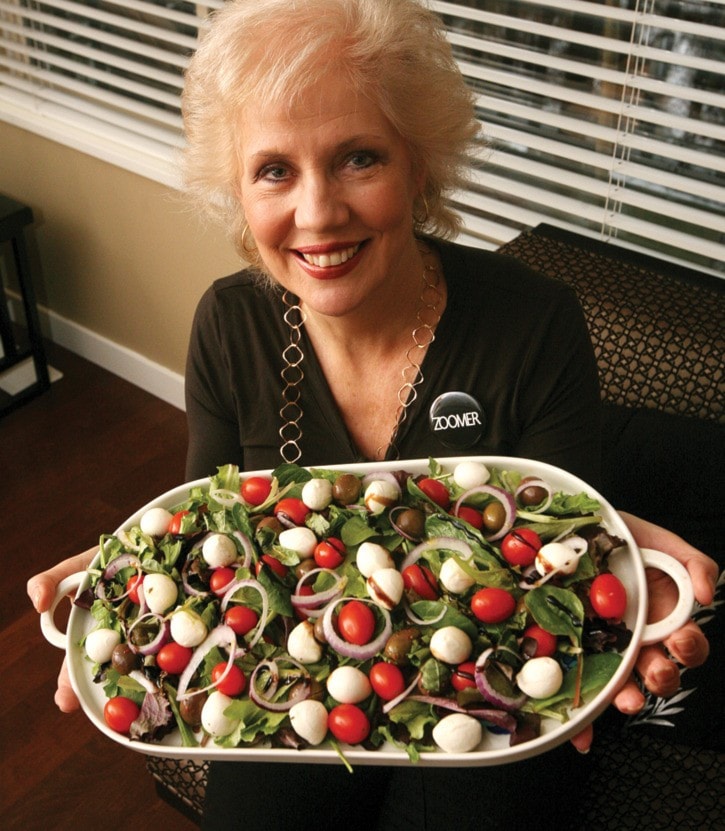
330	133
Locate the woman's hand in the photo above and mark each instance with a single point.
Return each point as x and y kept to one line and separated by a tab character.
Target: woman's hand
687	645
41	589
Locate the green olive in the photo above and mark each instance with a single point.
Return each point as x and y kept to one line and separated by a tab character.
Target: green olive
124	659
494	515
271	523
346	489
411	521
304	566
399	644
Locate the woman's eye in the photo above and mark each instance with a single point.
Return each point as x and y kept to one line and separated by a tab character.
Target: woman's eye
273	173
362	159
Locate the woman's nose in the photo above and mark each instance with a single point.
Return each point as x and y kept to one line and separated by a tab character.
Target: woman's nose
321	203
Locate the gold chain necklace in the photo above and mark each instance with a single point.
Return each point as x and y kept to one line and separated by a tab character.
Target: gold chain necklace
292	374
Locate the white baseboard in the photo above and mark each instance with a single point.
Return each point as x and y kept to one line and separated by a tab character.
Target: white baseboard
127	364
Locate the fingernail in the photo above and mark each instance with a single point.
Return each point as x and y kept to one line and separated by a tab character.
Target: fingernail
584	750
666	675
686	647
36	599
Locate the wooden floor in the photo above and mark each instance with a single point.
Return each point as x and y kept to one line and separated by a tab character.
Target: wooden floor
74	462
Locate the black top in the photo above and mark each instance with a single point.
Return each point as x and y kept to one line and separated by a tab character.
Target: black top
515	341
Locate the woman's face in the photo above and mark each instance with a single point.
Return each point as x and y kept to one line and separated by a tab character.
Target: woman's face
328	191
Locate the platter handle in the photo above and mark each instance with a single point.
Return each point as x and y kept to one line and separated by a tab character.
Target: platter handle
68	586
661	629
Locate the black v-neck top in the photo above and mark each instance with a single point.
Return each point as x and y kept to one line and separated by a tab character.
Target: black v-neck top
513	340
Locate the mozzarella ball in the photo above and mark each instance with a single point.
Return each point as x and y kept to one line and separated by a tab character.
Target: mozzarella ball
451	645
371	556
540	678
555	556
187	628
348	685
453	578
160	592
317	494
213	719
469	475
219	550
309	720
302	644
458	733
155	522
300	539
385	587
380	495
100	644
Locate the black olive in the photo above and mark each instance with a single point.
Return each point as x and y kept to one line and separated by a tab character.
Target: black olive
533	495
190	709
124	659
411	521
346	489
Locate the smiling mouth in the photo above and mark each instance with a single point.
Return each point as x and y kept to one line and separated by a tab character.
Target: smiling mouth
333	258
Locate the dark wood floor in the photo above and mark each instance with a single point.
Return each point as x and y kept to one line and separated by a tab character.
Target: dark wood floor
74	462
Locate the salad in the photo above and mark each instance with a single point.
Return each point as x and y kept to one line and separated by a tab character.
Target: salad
313	607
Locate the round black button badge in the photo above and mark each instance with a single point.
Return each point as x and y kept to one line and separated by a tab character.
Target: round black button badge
457	420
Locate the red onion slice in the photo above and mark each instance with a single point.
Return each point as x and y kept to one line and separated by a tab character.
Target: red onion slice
449	543
257	586
350	650
388	706
536	483
221	636
413	618
310	603
247	547
502	496
498	699
298	693
226	498
153	646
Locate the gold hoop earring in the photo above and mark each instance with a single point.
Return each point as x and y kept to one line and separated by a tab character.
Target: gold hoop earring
245	247
422	220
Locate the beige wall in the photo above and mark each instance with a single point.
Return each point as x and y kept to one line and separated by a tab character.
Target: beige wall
116	253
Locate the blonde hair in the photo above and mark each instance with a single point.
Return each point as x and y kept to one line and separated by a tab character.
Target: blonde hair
392	51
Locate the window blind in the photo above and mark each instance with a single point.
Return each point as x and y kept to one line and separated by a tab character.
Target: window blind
602	116
103	76
606	118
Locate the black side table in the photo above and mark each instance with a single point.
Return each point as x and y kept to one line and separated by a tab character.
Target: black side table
14	218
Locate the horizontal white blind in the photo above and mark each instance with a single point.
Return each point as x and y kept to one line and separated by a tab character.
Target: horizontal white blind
606	118
602	116
106	75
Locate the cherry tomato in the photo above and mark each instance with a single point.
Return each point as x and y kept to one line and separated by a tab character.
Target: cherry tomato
132	586
463	676
519	547
234	684
471	516
120	713
348	723
220	579
608	596
436	491
545	642
280	569
356	622
421	580
256	490
387	680
176	520
173	658
492	605
329	553
294	508
241	619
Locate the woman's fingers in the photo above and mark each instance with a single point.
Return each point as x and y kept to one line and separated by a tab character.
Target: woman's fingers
65	698
630	699
41	587
583	741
